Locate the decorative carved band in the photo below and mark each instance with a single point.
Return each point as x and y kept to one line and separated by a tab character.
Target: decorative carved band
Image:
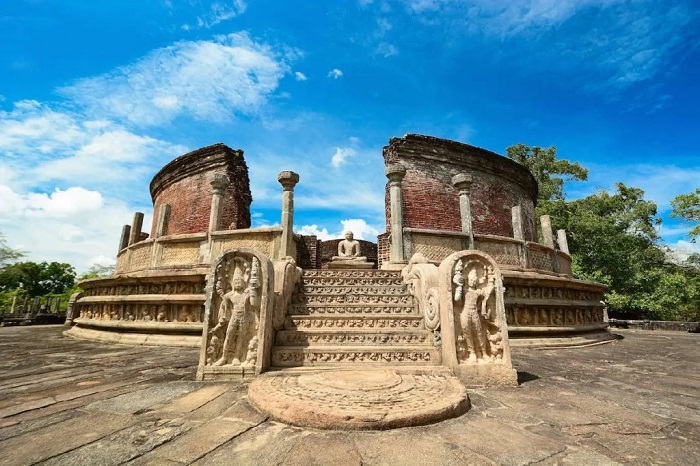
304	339
142	312
303	323
291	357
553	317
304	309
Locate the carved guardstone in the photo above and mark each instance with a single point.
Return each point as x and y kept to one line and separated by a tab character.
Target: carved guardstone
473	321
238	328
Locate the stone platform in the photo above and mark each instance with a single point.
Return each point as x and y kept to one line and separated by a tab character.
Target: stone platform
64	402
359	399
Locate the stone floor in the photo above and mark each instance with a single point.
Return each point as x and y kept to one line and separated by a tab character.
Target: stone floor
63	401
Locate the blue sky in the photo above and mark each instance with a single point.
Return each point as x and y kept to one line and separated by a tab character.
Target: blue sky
96	96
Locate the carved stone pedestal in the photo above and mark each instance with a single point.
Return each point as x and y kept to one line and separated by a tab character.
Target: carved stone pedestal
350	264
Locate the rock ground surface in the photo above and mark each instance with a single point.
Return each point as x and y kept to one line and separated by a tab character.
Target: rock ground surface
64	401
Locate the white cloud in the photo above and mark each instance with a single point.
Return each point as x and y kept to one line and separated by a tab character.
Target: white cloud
313	230
681	250
101	260
299	76
72	201
335	73
360	228
341	155
386	50
205	80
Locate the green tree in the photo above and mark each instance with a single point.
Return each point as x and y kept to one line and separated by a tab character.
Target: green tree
7	254
547	169
687	207
38	279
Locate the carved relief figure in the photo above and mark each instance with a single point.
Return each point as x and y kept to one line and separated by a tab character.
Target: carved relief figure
238	311
476	316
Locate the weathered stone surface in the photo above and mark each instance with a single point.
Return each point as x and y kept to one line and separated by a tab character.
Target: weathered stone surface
634	401
359	399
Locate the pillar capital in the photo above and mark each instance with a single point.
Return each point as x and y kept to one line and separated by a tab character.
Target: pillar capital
219	183
288	179
463	182
395	172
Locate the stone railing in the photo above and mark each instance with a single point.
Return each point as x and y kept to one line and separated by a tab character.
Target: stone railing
509	253
198	249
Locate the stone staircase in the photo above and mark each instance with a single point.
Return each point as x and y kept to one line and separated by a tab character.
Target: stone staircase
353	317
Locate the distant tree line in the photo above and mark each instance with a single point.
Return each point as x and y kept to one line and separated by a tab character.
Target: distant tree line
613	239
20	280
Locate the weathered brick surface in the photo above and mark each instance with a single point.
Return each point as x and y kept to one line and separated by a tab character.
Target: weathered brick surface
328	249
430	201
308	252
383	247
184	183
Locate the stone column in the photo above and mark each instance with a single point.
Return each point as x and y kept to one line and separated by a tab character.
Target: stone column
463	182
163	217
288	179
124	240
517	216
563	243
14	303
547	235
395	173
136	227
218	186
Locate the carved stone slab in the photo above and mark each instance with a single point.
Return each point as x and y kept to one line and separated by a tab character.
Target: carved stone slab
238	316
360	399
473	321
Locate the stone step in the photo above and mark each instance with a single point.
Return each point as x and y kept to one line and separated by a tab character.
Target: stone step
350	273
389	337
379	290
292	356
349	323
352	281
405	299
357	309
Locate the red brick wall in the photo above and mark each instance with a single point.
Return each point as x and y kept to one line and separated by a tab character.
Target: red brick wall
430	201
308	252
184	183
383	247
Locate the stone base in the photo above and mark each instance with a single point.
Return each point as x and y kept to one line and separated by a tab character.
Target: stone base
525	339
225	373
154	338
394	265
350	265
359	399
486	375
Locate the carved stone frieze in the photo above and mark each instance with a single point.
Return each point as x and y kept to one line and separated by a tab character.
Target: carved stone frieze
143	288
352	298
302	323
283	357
504	253
183	313
304	339
547	292
322	309
355	289
553	316
344	281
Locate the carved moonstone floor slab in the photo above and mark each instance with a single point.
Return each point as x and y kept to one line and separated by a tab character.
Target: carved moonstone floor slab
359	399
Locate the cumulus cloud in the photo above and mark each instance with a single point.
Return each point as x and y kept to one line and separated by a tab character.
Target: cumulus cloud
335	73
341	155
299	76
205	80
59	203
360	228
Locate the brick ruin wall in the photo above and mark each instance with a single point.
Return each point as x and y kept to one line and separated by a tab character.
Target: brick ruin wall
184	184
431	202
313	253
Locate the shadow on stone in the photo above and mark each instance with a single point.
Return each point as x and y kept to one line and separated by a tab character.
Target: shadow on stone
526	377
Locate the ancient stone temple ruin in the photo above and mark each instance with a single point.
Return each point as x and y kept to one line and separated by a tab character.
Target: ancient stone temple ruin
458	278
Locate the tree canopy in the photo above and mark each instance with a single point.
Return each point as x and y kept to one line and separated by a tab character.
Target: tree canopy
687	207
7	254
613	240
37	279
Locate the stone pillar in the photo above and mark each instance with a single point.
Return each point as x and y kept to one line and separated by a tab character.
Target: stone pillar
547	235
463	182
395	173
14	303
563	243
163	217
517	216
136	226
218	186
124	240
288	179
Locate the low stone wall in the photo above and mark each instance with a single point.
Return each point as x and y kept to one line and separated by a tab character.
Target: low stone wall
693	327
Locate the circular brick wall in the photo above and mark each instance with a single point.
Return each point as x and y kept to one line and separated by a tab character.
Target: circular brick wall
431	202
184	184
